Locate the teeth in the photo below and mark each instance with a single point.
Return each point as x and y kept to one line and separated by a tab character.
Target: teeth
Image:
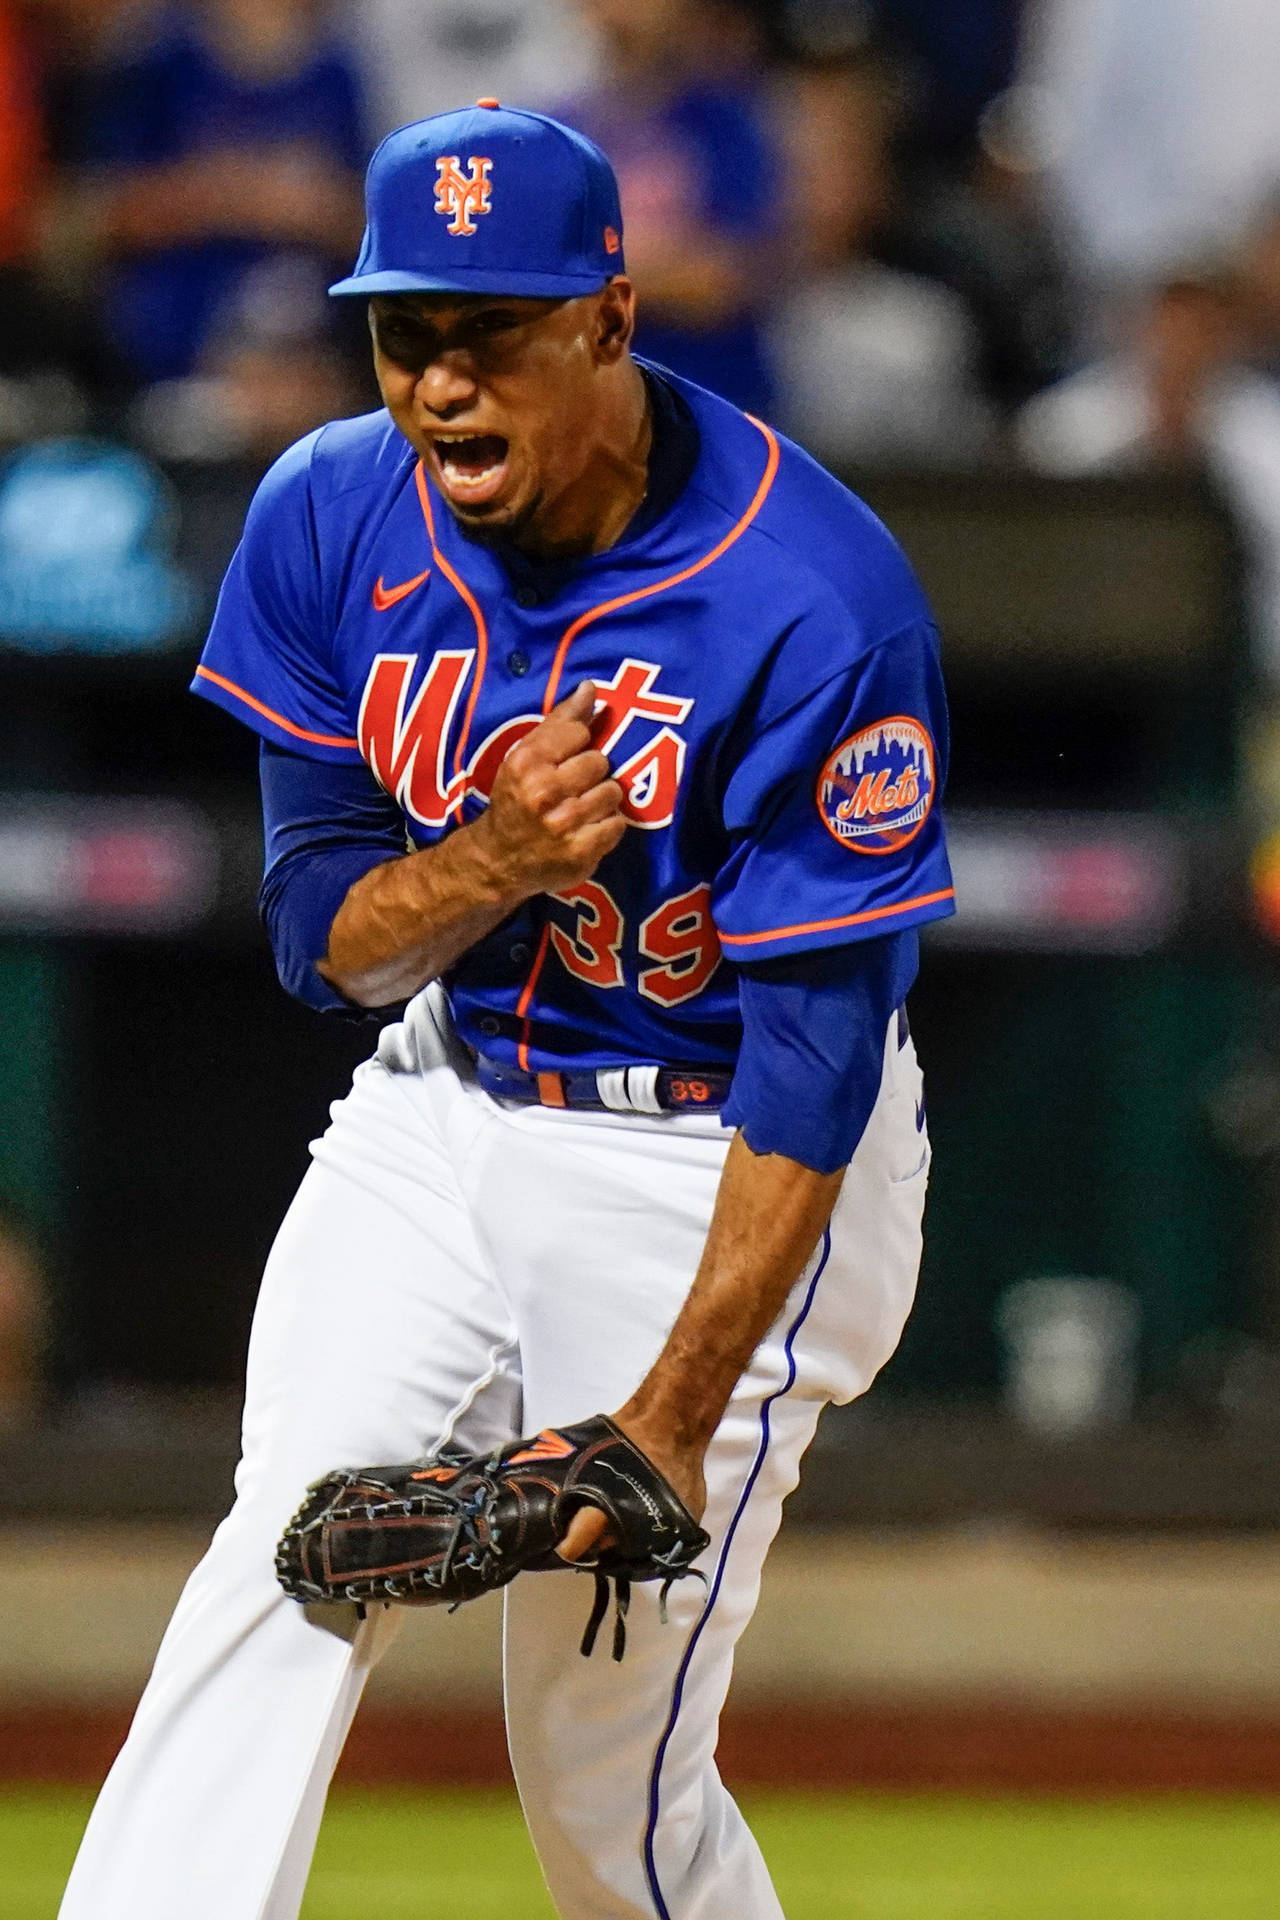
474	479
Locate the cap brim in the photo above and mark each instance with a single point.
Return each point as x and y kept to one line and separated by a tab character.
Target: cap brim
546	286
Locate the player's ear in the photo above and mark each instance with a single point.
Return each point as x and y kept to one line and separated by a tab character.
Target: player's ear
615	318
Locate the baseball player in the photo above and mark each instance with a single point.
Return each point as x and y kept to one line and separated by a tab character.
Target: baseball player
601	740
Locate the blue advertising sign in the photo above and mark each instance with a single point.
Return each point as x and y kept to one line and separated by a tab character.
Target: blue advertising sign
86	531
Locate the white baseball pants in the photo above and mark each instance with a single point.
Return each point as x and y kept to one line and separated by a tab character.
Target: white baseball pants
454	1266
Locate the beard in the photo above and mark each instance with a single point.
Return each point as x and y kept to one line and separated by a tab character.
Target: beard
499	529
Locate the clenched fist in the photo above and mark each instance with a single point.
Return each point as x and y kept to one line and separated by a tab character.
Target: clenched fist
555	810
554	814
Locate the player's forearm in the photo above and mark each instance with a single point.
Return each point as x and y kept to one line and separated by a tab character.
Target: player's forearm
769	1214
406	922
554	813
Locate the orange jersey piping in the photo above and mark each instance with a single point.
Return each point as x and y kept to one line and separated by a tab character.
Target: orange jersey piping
673	580
465	594
526	997
826	926
571	633
269	713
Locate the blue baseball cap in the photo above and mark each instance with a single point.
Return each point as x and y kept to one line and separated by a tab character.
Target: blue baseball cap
489	199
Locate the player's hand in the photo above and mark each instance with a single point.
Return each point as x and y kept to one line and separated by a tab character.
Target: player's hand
555	810
681	1466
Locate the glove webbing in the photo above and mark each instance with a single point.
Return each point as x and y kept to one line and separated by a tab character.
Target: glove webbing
599	1608
622	1603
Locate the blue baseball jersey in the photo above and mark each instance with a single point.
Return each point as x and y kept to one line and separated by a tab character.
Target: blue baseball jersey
769	697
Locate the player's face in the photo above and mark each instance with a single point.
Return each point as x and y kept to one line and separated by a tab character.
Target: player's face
498	396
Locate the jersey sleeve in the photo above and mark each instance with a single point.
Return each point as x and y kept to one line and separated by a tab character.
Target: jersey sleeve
268	655
817	1021
324	828
835	832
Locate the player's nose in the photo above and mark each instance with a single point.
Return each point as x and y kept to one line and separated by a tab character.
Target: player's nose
445	387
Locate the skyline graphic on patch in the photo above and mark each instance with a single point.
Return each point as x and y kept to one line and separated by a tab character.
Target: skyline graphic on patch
875	791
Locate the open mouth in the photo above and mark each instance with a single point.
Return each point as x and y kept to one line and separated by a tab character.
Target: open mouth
472	465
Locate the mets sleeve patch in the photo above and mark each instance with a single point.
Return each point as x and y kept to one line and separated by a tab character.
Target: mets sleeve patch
875	791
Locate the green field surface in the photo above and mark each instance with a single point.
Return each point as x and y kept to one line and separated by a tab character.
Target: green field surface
463	1856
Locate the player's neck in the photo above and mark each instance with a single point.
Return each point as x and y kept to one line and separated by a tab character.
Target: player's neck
594	511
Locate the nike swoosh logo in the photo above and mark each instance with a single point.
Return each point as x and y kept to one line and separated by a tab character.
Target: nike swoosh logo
384	597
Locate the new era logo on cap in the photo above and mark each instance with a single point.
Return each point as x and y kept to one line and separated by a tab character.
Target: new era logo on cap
522	205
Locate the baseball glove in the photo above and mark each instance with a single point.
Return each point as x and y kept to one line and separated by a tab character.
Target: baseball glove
447	1529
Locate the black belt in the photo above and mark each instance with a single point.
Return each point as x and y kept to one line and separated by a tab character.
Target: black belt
611	1089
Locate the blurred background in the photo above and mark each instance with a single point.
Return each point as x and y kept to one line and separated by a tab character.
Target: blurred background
1012	269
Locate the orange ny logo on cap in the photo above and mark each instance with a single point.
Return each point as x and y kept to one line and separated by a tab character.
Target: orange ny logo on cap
460	194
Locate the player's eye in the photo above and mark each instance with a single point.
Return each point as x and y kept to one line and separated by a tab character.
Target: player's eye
493	321
408	346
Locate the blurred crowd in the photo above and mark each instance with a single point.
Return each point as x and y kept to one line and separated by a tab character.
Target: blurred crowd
912	232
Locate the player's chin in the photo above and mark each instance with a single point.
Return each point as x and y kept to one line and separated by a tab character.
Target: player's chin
499	518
